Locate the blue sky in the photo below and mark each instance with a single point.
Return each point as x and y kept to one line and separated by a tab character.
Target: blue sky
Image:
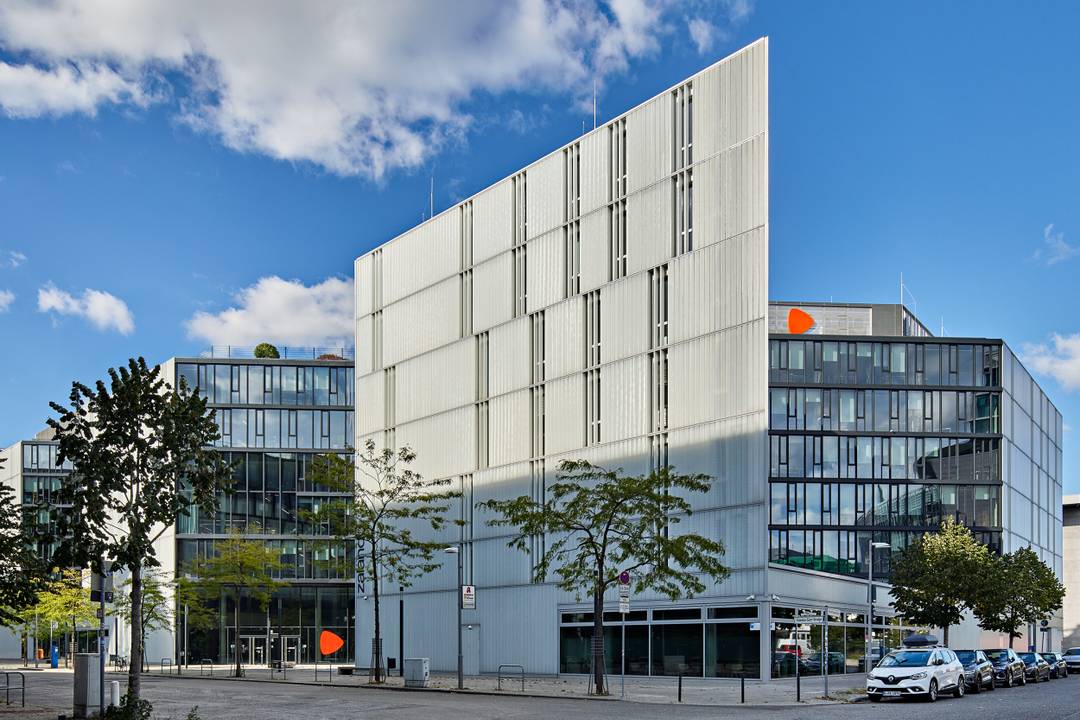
936	139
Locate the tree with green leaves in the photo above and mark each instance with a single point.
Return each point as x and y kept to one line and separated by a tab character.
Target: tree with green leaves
142	455
601	522
266	350
939	575
382	501
65	601
155	608
22	574
239	568
1018	588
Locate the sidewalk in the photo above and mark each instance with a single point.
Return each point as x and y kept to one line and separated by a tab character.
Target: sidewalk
658	690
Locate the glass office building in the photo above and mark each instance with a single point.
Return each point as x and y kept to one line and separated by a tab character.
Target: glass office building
275	417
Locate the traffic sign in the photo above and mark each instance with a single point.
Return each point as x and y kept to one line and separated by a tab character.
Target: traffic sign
624	577
468	597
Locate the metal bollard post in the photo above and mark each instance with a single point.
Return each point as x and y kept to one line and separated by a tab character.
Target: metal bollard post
742	689
798	685
680	687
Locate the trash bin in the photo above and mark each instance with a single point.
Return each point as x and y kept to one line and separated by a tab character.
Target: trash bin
54	657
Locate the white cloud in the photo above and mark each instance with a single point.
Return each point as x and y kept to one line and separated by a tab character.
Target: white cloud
703	33
11	258
285	312
1060	359
1055	248
103	310
356	88
29	91
6	298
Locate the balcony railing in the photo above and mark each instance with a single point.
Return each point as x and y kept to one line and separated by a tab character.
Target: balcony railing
285	351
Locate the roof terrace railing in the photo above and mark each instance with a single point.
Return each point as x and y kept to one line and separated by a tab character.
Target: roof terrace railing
285	351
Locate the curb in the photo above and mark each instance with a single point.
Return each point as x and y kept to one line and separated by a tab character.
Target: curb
489	693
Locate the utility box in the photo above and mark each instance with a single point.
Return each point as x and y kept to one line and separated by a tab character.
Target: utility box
87	699
417	672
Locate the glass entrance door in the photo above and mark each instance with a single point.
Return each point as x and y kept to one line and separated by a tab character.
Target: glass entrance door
291	645
253	649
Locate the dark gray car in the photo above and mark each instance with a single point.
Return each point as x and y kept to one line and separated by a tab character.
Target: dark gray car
1008	667
978	670
1035	668
1058	668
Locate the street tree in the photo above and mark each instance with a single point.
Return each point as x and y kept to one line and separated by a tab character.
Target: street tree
1017	589
155	607
22	574
938	576
239	568
65	601
141	453
383	501
601	522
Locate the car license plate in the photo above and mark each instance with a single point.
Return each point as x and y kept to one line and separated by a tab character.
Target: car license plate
891	693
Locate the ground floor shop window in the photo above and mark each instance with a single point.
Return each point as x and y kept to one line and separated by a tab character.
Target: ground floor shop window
575	649
842	649
732	650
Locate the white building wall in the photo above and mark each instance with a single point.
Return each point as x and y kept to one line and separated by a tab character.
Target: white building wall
716	347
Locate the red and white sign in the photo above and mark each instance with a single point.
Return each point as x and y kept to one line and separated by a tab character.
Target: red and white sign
468	597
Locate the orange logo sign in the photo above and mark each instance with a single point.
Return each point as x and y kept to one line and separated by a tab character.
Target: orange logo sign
798	321
329	643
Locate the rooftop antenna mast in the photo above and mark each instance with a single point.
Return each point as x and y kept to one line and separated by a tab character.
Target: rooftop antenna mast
914	300
594	104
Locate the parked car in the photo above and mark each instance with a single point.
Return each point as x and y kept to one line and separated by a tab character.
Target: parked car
1072	659
1008	667
1035	668
920	672
978	670
1058	668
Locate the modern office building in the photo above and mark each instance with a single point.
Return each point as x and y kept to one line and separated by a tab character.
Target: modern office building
609	303
1071	555
275	416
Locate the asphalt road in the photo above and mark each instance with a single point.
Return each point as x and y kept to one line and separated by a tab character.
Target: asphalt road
240	700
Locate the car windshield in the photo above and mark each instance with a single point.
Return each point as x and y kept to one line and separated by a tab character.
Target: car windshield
906	658
1073	651
1050	657
996	655
1028	657
966	656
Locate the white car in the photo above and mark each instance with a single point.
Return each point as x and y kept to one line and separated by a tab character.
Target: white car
1072	659
924	672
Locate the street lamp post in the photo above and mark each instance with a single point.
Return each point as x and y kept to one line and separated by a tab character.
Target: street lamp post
456	550
870	603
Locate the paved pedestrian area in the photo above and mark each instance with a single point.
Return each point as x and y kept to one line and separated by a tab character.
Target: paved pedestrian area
50	695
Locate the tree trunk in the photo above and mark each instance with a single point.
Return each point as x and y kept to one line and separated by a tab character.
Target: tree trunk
945	635
598	635
134	687
377	650
236	632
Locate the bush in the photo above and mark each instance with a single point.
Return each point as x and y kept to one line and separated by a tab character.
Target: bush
193	714
130	709
266	350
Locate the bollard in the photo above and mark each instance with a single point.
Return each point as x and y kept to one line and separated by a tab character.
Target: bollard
680	687
798	686
742	689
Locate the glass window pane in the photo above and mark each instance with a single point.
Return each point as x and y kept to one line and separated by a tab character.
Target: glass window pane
677	649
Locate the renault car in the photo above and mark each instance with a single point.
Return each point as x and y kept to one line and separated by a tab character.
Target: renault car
916	672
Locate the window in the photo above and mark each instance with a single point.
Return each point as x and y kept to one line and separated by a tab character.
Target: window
376	277
520	283
658	383
520	215
617	240
536	346
482	435
482	368
592	407
466	217
376	339
658	306
390	396
466	303
683	126
572	259
536	402
592	329
683	216
617	165
572	181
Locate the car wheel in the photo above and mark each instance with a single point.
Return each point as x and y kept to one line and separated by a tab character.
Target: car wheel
1009	679
993	684
977	686
931	695
959	691
1023	680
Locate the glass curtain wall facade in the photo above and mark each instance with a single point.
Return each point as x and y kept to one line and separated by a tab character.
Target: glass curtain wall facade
880	440
275	417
